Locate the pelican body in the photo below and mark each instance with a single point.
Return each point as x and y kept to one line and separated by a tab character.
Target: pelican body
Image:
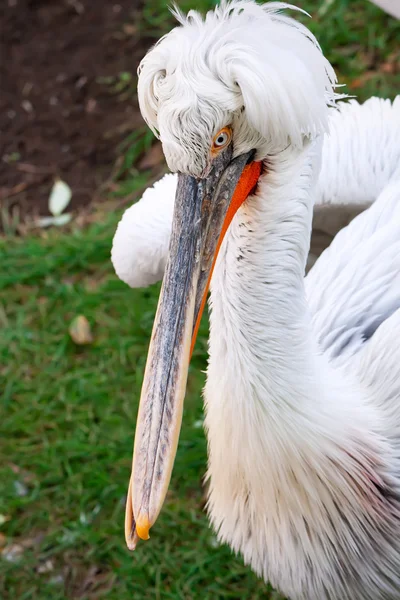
302	397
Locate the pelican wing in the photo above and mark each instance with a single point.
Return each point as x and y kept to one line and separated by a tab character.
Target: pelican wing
377	367
354	287
140	244
361	152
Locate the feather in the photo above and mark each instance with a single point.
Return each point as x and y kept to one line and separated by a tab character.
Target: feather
355	284
352	176
302	396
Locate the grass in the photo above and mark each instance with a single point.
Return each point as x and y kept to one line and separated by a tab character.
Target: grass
68	420
68	412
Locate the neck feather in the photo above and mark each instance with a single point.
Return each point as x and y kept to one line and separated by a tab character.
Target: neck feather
265	369
258	308
290	439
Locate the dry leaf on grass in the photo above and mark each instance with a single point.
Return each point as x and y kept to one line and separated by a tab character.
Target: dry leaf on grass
60	197
45	567
12	552
80	331
20	489
58	221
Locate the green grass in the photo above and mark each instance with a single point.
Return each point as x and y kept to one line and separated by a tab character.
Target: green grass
68	422
68	412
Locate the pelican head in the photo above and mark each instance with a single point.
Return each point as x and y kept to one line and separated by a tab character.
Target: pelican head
222	93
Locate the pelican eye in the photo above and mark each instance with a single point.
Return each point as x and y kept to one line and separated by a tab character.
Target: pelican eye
222	138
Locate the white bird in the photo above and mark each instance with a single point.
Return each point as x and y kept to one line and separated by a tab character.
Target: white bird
303	384
360	156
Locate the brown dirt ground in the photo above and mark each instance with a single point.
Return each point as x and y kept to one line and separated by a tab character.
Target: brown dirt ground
57	117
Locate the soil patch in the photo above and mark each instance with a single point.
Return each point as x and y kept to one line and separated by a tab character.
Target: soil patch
64	104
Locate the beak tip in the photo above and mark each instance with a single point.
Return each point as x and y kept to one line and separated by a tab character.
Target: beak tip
132	539
143	527
139	533
132	542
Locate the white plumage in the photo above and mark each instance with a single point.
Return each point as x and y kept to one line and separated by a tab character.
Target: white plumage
303	384
355	284
140	245
360	156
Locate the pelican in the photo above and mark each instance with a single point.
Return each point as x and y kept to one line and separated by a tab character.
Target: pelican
302	397
360	157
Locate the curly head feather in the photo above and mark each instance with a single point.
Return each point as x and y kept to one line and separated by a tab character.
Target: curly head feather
244	65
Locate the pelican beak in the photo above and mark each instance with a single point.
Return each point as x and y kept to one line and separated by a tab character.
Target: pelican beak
203	211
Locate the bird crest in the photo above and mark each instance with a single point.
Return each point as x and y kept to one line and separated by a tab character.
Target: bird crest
246	65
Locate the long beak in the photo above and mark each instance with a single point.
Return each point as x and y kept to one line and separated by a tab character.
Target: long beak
203	211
